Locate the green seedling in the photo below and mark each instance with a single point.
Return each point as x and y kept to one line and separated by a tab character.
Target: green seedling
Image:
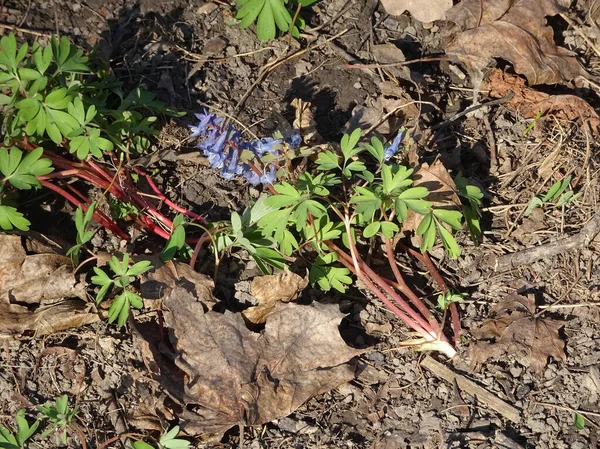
57	102
83	235
578	421
270	16
176	243
559	193
18	440
124	276
60	417
168	440
447	298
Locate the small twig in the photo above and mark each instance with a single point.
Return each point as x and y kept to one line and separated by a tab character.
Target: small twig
572	410
392	64
470	109
580	240
491	400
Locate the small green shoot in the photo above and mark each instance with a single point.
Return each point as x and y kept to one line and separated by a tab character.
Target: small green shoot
578	421
124	275
560	193
18	440
447	298
176	242
168	440
83	235
532	124
60	417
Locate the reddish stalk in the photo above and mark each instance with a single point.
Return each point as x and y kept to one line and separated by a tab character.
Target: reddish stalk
385	287
167	201
404	288
439	280
112	227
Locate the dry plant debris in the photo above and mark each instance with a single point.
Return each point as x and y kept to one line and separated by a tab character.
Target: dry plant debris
234	376
517	330
530	102
515	31
33	292
422	10
270	290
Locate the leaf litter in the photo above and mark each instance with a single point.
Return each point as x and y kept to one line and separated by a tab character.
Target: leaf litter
515	31
518	331
235	376
39	293
422	10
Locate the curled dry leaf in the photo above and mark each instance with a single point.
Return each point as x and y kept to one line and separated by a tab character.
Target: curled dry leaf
271	289
33	292
530	102
515	31
236	376
305	122
516	330
422	10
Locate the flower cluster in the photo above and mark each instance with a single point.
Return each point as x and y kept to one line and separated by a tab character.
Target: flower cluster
223	146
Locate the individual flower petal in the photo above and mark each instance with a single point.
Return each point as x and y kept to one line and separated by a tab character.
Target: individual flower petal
216	160
268	175
250	175
392	149
260	147
231	168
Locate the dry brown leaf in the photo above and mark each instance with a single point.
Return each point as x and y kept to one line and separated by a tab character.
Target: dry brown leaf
514	31
422	10
271	289
160	281
42	281
236	376
441	185
530	102
305	122
518	331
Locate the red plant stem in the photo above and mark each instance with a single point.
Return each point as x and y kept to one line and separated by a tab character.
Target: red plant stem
439	280
167	201
112	227
347	262
404	288
369	273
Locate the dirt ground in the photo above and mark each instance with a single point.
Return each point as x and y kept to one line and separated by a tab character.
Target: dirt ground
192	56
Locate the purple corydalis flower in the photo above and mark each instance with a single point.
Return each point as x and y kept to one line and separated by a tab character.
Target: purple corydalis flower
262	146
294	140
392	149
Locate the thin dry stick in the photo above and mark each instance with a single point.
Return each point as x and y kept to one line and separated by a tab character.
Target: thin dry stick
491	400
392	64
580	240
581	33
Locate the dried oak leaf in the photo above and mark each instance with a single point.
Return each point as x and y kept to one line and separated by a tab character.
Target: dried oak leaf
271	289
422	10
236	376
530	102
41	282
518	331
441	187
159	282
516	31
